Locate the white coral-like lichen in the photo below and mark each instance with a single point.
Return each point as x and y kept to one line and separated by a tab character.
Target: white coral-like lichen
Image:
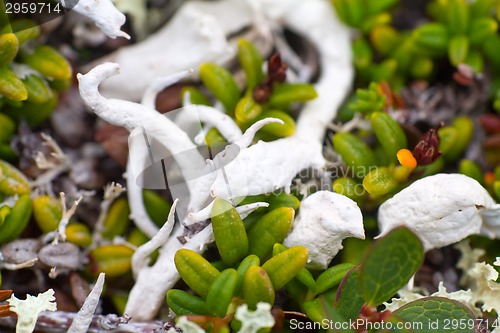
466	297
253	321
186	326
28	310
441	209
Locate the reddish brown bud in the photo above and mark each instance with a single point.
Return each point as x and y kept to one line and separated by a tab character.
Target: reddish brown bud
262	93
276	68
490	123
427	149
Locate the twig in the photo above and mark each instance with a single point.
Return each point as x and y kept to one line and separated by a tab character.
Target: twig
111	192
67	214
54	169
59	322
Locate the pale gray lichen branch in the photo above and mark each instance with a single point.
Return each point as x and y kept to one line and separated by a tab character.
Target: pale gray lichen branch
60	234
111	192
140	257
85	315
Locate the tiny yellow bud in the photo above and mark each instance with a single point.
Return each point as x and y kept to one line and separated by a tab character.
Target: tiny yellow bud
405	157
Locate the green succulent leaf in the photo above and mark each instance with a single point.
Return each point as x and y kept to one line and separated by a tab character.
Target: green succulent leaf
12	181
433	36
389	133
438	314
380	181
286	93
222	291
304	276
284	266
458	50
195	270
389	265
257	287
9	45
278	130
362	53
354	152
156	206
351	12
384	39
222	85
247	110
272	228
457	16
48	62
114	259
195	96
47	212
251	61
183	303
249	261
117	220
375	7
332	277
7	128
17	219
471	169
11	86
481	29
79	234
229	232
38	89
24	29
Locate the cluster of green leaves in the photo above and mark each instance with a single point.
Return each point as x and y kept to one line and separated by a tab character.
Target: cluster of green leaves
341	293
13	218
31	75
252	266
241	105
460	31
375	165
386	268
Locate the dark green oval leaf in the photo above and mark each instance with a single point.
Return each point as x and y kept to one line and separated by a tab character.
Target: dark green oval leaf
438	314
389	265
349	300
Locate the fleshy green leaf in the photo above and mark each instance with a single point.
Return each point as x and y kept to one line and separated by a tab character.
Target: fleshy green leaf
287	93
389	265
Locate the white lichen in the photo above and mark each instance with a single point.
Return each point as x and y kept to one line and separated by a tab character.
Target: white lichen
197	34
84	317
28	310
253	321
469	257
325	219
103	13
441	209
140	257
186	326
